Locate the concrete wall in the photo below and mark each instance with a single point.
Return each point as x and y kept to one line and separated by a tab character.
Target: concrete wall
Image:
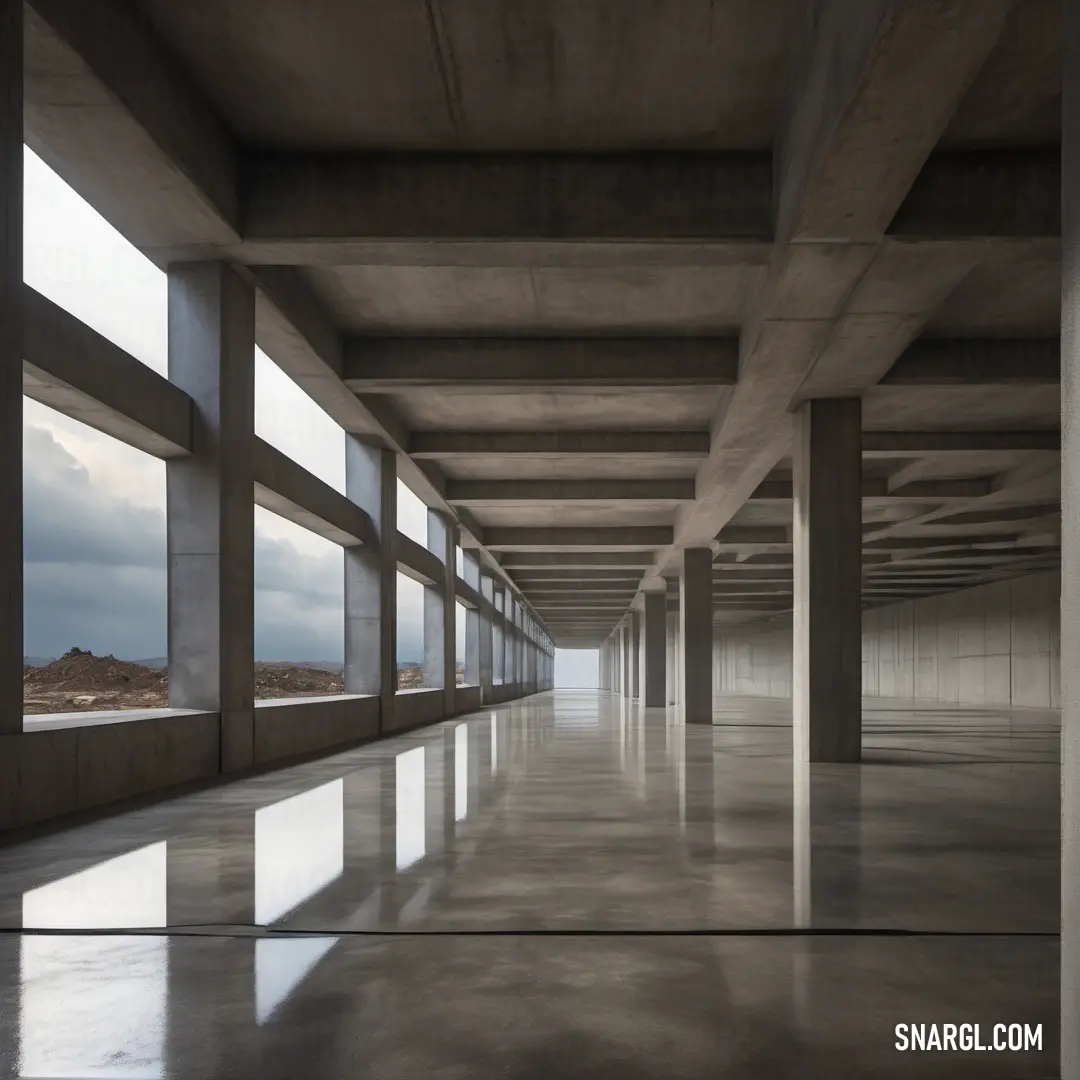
292	727
994	644
56	770
468	699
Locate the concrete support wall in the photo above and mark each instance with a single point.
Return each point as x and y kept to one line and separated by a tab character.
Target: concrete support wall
371	578
211	528
634	647
472	647
996	644
673	667
827	543
1070	554
655	639
11	358
696	635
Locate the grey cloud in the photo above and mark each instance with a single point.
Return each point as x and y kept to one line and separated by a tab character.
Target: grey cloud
95	574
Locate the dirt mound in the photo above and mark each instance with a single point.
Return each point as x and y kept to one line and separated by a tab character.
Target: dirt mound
81	670
276	680
80	681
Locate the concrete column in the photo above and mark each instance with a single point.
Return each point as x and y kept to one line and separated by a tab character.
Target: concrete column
1070	554
211	528
450	618
11	350
472	647
485	642
622	661
634	630
695	635
371	579
655	638
439	624
827	540
674	667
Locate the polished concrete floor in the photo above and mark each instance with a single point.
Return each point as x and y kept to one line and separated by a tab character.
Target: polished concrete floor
568	886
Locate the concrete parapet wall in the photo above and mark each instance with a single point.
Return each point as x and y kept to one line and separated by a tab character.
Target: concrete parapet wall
996	644
48	771
468	699
66	763
291	727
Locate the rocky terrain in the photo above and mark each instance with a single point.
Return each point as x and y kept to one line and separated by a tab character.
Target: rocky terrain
79	681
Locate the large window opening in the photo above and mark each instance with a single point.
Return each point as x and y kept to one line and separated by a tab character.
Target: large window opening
410	633
577	669
95	591
299	610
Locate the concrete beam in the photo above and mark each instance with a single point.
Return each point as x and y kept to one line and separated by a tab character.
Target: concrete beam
415	561
289	490
909	443
540	560
625	537
499	444
109	108
299	208
515	492
975	194
850	147
374	365
541	596
935	362
386	208
76	371
734	535
881	489
527	579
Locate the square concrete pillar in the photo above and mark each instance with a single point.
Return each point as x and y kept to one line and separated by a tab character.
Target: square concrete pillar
487	592
211	526
827	541
655	639
371	579
1070	554
625	639
674	666
439	621
11	350
696	635
634	631
472	647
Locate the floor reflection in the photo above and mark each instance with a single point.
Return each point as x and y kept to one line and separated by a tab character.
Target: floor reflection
96	1006
281	965
411	826
299	850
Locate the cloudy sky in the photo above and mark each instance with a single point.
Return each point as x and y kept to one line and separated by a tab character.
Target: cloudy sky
95	508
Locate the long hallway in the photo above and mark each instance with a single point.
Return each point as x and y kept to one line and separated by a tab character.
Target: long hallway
569	885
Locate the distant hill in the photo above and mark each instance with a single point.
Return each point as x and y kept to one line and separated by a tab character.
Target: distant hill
37	661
